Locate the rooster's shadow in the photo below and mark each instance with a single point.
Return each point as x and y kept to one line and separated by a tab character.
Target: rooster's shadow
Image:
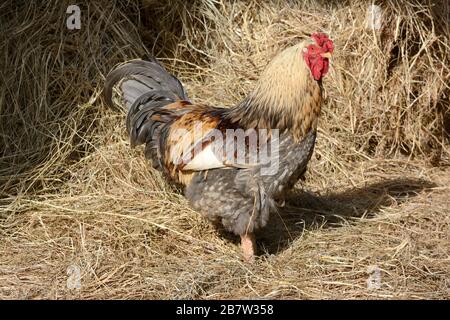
304	210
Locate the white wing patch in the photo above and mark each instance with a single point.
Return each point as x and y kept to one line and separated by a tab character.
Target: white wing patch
204	160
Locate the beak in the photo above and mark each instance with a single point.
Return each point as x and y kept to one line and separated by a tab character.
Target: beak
326	55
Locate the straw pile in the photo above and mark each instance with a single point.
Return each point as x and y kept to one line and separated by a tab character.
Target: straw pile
370	221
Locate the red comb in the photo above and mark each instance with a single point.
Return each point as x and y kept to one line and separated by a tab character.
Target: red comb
323	41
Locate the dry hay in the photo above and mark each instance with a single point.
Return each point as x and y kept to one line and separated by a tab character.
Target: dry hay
72	193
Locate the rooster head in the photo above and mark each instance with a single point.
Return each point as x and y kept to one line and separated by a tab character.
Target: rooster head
317	54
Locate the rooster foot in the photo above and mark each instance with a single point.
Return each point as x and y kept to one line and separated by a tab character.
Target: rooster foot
248	246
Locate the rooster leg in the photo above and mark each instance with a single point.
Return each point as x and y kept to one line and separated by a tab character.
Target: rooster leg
248	246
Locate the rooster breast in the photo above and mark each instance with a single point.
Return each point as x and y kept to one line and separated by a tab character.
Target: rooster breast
242	199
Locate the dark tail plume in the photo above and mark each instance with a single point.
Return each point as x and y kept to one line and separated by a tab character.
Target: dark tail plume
145	88
138	78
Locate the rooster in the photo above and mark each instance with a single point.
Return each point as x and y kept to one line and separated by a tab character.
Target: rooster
229	182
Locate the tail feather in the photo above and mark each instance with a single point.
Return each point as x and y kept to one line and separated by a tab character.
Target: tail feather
146	88
141	113
138	77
